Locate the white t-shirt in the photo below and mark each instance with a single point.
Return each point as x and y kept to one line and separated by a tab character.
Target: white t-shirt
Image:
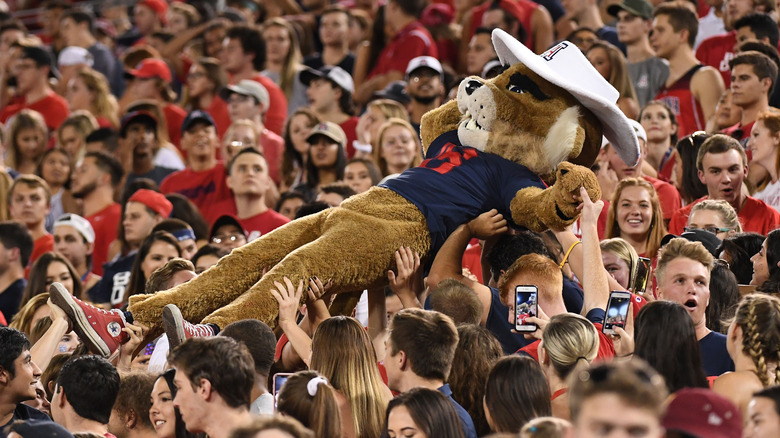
770	195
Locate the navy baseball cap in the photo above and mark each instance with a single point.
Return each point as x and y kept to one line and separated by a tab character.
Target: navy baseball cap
196	116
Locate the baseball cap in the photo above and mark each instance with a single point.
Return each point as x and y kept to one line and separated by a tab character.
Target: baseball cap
396	91
196	116
707	239
41	428
136	116
437	14
79	224
74	55
150	68
424	62
223	220
336	74
42	57
154	200
247	87
640	8
703	413
330	130
160	7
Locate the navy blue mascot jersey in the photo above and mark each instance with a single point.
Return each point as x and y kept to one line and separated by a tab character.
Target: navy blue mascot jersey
457	183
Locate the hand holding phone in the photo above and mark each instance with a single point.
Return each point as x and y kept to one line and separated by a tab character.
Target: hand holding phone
526	305
617	311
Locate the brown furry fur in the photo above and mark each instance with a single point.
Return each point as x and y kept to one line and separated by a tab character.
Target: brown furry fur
354	244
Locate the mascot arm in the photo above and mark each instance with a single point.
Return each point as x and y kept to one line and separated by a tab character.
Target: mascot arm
438	121
556	206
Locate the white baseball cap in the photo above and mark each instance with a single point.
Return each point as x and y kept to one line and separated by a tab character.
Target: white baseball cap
74	55
424	62
335	74
247	87
79	224
564	65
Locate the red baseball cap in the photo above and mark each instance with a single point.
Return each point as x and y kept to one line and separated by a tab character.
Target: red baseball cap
151	68
701	412
154	200
160	7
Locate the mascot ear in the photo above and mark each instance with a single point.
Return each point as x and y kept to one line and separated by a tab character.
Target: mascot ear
436	122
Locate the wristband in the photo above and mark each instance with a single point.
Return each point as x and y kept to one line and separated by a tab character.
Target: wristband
362	147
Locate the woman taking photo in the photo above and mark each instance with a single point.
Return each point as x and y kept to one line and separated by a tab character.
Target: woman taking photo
569	342
635	216
620	261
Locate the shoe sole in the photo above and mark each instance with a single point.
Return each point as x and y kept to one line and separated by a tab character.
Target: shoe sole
173	324
63	299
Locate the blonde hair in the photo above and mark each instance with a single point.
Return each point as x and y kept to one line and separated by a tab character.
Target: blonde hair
727	213
104	104
389	108
350	366
570	341
545	427
624	251
24	119
293	60
681	247
759	317
22	320
376	151
657	229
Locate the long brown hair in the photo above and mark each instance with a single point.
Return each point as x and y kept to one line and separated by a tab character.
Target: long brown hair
657	229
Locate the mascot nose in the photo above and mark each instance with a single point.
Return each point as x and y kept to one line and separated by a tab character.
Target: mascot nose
472	86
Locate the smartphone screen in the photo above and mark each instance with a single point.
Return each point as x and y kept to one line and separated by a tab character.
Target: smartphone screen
526	305
279	379
617	311
642	274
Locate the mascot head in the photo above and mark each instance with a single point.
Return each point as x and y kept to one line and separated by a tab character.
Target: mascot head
541	111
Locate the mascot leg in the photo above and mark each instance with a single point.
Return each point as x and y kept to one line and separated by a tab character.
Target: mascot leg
355	250
232	276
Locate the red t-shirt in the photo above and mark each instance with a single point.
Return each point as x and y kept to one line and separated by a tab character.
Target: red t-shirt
53	108
716	51
105	224
667	194
41	246
219	111
349	127
174	117
277	108
731	130
204	188
254	226
522	10
273	149
755	216
410	42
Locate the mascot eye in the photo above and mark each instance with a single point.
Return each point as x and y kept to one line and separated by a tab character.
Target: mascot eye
516	89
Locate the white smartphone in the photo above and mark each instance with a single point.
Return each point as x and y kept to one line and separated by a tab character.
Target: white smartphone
526	305
617	311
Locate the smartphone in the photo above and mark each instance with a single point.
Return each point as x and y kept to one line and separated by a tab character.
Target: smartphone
279	379
642	274
617	311
526	305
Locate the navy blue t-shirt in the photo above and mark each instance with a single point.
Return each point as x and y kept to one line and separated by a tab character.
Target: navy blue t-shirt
714	355
11	298
457	183
468	424
116	277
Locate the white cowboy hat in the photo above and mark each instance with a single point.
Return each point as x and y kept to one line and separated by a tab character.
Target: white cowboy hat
564	65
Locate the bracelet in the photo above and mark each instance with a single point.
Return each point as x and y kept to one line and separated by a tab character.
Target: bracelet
566	257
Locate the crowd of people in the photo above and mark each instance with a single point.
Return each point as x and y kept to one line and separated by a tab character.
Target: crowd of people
143	141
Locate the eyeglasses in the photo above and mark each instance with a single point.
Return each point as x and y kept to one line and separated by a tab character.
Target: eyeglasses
229	238
713	230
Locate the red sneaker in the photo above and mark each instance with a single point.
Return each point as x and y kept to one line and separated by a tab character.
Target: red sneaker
179	330
100	330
